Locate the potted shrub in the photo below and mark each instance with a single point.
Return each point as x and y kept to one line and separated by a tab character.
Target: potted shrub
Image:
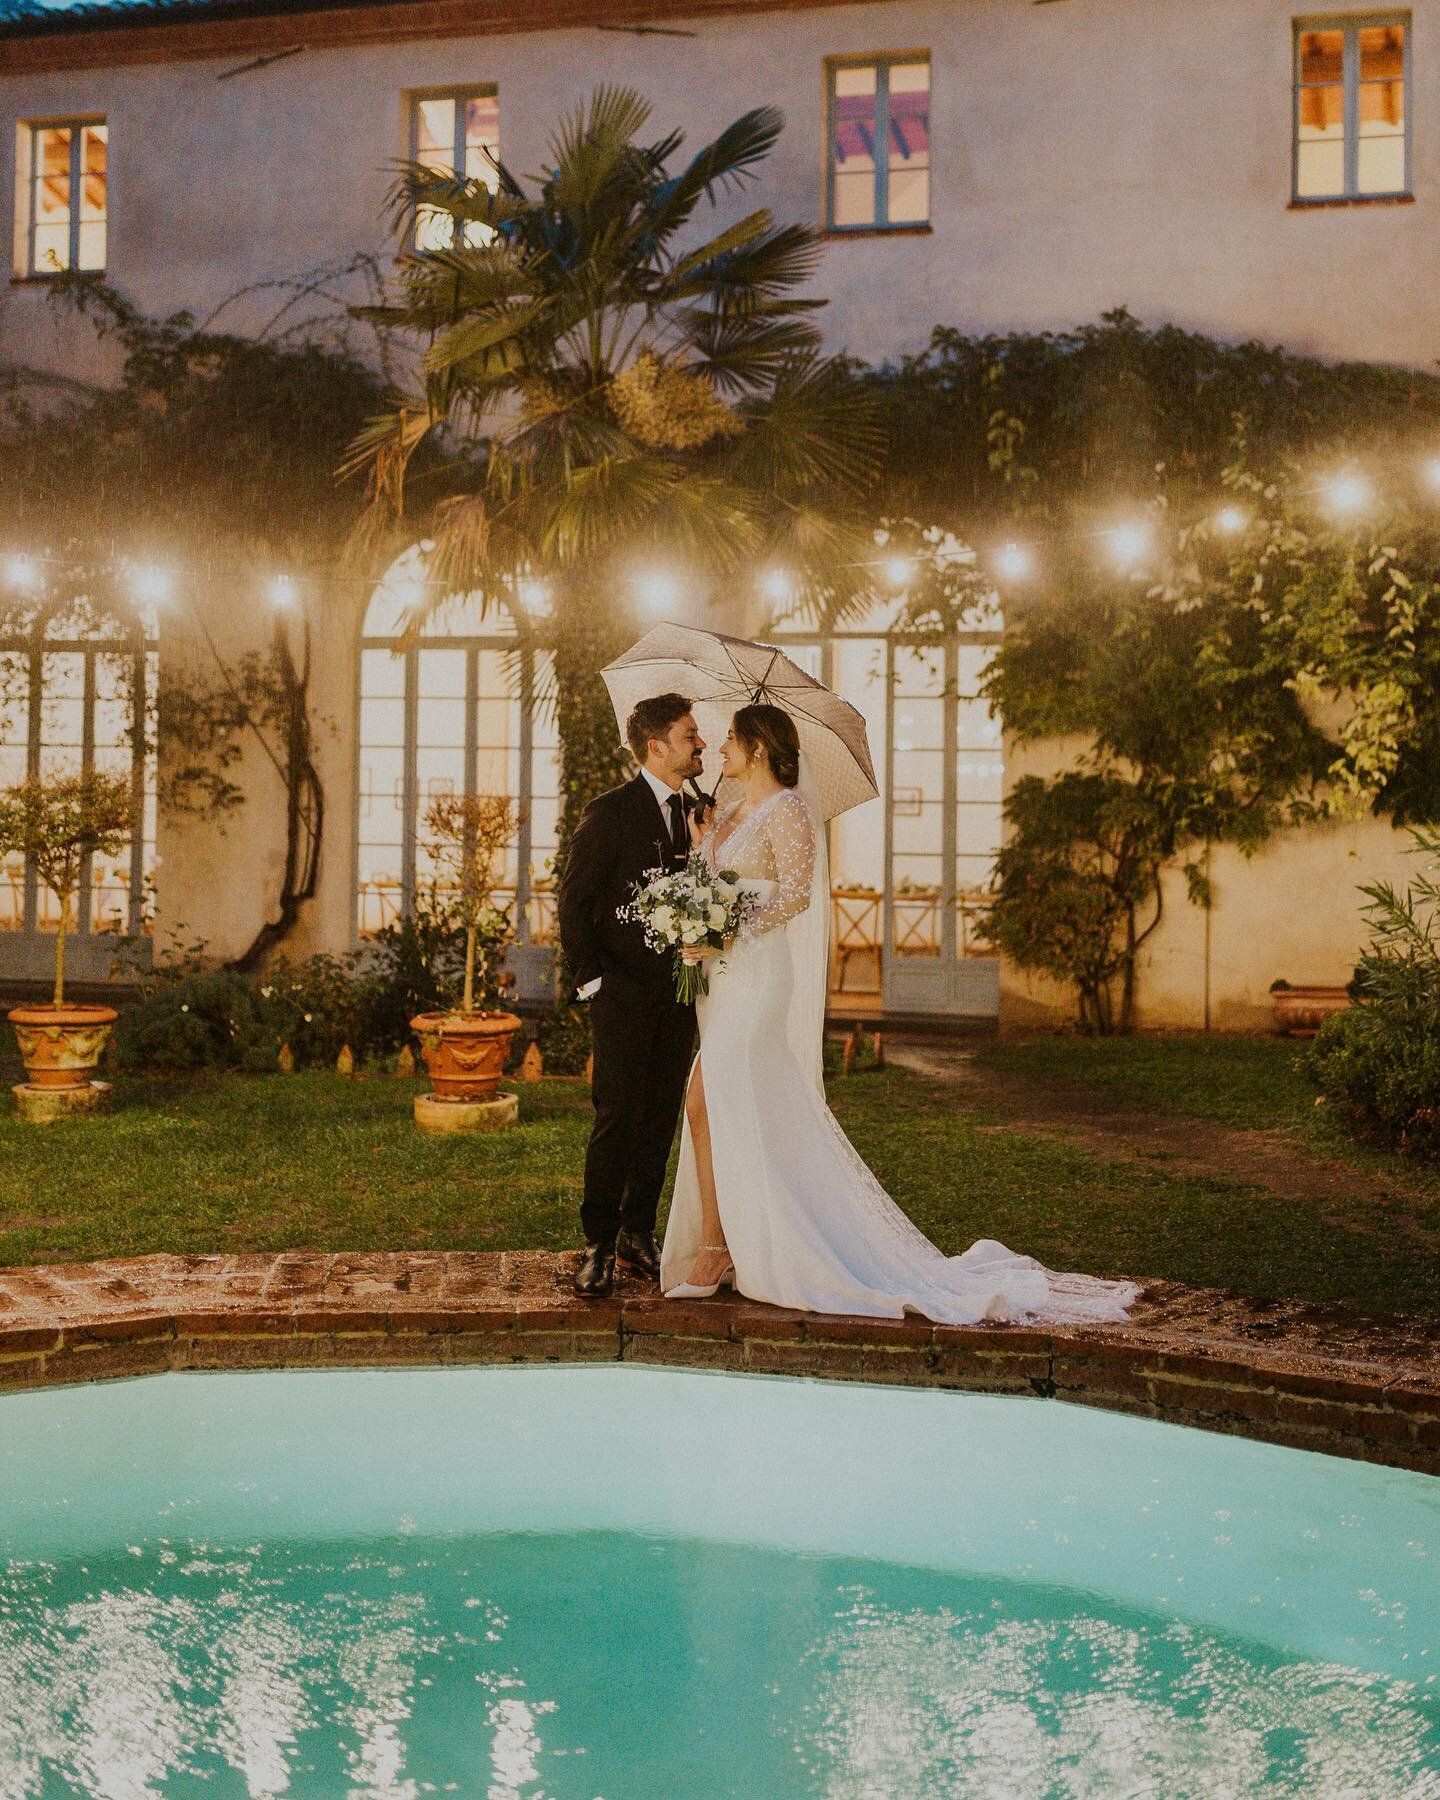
1301	1011
56	824
465	1049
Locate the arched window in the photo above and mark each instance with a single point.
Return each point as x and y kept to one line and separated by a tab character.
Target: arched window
466	708
77	692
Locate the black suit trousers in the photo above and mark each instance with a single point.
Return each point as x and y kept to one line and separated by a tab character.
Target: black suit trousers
643	1044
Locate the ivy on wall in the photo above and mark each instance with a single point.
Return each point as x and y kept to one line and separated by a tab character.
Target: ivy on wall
211	451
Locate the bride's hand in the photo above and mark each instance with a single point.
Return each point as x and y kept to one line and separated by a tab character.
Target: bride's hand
694	953
700	829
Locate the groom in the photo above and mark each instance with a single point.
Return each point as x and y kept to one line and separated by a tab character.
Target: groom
642	1035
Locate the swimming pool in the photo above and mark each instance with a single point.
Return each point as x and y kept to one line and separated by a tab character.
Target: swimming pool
631	1582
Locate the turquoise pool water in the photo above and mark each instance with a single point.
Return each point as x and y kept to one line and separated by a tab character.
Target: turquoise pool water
623	1583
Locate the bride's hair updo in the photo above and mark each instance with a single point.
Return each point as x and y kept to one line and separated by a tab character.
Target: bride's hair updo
772	729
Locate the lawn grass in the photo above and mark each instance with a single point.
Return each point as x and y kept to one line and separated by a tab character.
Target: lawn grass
1252	1083
263	1163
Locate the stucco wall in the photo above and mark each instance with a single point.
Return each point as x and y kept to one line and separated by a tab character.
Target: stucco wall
1085	156
1290	912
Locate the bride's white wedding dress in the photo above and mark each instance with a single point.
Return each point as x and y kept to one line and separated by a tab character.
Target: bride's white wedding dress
806	1222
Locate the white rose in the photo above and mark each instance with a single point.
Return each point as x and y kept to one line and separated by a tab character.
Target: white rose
662	918
692	934
717	918
704	895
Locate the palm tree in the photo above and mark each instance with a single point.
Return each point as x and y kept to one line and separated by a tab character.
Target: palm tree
608	391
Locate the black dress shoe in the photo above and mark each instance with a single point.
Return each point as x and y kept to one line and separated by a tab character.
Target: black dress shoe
639	1251
595	1277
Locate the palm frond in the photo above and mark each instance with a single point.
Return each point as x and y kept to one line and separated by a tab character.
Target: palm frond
735	237
750	353
487	342
727	162
468	200
605	502
816	429
389	441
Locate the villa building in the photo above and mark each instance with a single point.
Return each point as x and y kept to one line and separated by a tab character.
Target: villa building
1236	167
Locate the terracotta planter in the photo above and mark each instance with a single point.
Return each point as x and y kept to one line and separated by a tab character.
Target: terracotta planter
61	1045
465	1052
1301	1011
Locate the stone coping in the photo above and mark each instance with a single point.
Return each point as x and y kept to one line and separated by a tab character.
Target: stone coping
1317	1378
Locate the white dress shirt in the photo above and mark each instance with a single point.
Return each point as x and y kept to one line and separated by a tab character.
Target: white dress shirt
663	793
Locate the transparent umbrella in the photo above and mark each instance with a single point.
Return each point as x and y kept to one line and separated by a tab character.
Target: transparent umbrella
721	674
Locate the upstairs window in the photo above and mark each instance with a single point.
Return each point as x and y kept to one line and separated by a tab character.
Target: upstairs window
1352	128
63	195
878	156
458	133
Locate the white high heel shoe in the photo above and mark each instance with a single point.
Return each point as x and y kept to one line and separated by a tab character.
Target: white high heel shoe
693	1290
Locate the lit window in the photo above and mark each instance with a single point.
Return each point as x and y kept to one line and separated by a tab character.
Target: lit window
1352	136
465	707
63	197
77	692
878	175
459	134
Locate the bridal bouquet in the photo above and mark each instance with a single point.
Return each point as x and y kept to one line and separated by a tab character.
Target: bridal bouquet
696	905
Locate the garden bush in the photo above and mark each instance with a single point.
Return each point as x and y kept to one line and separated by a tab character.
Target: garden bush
221	1019
1378	1063
191	1015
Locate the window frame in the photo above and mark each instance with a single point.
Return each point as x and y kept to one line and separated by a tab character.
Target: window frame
475	90
138	646
1350	25
529	648
76	124
882	61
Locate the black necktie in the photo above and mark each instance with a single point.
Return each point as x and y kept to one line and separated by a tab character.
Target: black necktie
679	839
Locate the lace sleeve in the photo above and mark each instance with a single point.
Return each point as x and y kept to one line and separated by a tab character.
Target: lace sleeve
790	833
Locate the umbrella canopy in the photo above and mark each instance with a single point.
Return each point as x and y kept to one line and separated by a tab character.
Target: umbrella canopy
721	674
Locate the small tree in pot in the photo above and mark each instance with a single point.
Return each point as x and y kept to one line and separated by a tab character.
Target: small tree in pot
58	825
465	1050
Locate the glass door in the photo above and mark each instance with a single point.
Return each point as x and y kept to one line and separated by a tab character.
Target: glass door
942	824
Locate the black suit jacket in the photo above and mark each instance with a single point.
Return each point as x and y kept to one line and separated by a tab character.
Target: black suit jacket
621	836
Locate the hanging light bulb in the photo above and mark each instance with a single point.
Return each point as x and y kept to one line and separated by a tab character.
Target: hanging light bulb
657	590
899	571
150	585
22	573
283	591
1014	562
778	587
1432	471
1347	493
534	597
1230	518
1129	544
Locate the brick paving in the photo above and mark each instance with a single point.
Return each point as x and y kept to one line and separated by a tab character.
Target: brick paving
1319	1378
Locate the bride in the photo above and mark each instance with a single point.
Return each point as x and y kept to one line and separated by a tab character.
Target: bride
771	1196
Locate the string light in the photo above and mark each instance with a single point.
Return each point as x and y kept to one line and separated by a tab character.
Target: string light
1230	518
150	585
777	586
1128	544
1347	493
1432	471
534	597
1014	562
283	591
22	573
657	589
899	571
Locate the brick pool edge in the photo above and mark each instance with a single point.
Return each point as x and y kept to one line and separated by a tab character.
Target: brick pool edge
1184	1357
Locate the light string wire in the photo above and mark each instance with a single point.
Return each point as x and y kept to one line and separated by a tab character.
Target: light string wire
1349	494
